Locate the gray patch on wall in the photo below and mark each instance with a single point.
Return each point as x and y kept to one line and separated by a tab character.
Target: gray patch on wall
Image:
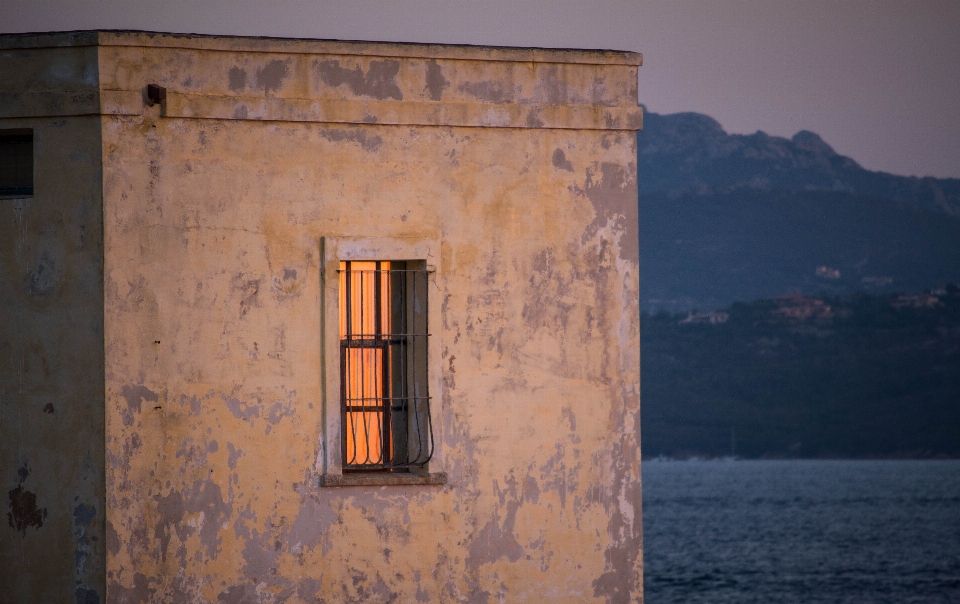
533	118
614	200
204	497
135	395
42	280
237	78
240	410
233	454
309	588
494	541
436	83
311	525
140	592
113	540
487	90
260	555
270	76
366	141
237	594
551	86
560	161
379	82
83	514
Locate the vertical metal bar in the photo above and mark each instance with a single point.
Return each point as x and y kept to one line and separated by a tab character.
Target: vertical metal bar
413	367
364	420
348	286
385	456
363	378
404	364
345	276
426	372
377	293
411	354
343	401
421	428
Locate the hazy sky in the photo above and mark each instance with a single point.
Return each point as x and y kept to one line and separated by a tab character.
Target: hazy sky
879	80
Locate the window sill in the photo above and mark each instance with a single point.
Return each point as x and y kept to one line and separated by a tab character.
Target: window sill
379	480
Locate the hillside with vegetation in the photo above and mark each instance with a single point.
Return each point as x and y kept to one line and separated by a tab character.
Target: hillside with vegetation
860	375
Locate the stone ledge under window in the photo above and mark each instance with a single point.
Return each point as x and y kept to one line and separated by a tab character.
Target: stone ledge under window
377	480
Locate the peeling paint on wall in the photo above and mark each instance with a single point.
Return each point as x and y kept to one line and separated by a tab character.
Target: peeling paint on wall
378	81
135	395
436	83
488	91
611	193
270	76
367	142
560	160
211	363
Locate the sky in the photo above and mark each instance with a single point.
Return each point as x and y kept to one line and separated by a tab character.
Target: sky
879	80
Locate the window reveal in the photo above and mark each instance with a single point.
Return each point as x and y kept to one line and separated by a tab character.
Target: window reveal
385	406
16	163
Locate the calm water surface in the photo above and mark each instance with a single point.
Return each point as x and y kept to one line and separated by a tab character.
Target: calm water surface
729	532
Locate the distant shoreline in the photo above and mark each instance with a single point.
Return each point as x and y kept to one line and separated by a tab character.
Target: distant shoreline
727	458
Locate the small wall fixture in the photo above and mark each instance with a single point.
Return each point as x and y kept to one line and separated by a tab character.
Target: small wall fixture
156	94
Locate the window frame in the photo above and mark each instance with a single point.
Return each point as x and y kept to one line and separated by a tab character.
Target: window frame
334	250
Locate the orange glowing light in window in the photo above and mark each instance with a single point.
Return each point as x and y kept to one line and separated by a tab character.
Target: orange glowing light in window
365	316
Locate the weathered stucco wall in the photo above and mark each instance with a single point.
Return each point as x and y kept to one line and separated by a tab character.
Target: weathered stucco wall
521	169
51	345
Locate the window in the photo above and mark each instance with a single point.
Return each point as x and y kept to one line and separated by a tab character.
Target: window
381	366
384	395
16	163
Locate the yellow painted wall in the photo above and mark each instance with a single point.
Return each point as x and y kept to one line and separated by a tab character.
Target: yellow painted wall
520	166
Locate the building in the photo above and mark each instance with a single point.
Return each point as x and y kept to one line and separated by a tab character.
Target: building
300	321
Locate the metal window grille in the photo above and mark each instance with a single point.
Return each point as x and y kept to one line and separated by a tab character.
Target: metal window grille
16	163
385	405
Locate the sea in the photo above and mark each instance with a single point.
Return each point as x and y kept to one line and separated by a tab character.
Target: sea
738	531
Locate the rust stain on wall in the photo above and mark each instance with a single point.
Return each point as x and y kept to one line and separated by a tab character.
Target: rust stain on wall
24	512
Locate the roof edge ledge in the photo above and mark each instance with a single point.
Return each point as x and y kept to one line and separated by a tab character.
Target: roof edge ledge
106	37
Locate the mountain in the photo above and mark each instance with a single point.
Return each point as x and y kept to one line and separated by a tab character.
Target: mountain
727	217
799	376
691	152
